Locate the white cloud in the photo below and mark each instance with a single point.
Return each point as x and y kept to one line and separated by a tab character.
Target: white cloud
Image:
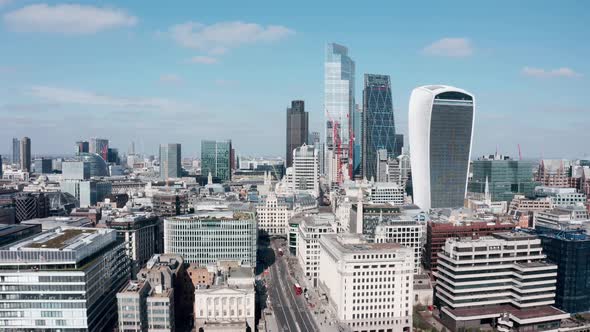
81	97
451	47
4	2
69	19
203	59
542	73
218	38
171	78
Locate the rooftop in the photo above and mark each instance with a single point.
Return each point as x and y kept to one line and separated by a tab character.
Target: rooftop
11	229
216	215
354	243
524	313
61	240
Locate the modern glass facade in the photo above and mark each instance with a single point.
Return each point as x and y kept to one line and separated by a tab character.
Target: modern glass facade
170	161
339	73
297	128
25	154
505	178
357	141
99	146
15	151
378	122
216	158
451	127
98	166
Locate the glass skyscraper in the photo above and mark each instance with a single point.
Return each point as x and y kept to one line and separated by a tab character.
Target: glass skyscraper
297	128
441	128
216	158
25	154
339	107
378	123
170	161
505	178
100	146
15	151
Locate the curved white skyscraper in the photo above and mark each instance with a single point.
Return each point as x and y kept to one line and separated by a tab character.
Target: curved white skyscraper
441	122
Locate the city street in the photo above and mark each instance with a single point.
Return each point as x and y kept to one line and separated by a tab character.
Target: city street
291	311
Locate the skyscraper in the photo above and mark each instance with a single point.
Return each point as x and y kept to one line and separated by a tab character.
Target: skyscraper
15	151
339	106
25	154
297	128
170	157
378	123
357	141
82	147
399	144
100	146
441	129
216	158
306	169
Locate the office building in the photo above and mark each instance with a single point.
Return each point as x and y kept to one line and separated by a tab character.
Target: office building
100	146
170	204
7	215
42	166
306	169
62	279
82	147
503	176
386	192
216	159
570	251
356	141
25	154
30	206
339	103
561	217
14	233
15	151
561	196
405	231
97	166
399	145
378	123
0	166
370	285
170	161
87	192
76	170
297	128
311	229
441	129
229	303
437	234
143	236
554	173
205	237
501	280
273	215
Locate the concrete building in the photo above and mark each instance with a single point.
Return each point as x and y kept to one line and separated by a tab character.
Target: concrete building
228	304
561	196
63	279
437	234
273	215
500	281
441	122
25	155
407	232
386	192
370	285
306	169
297	128
170	157
311	229
561	217
423	290
75	170
170	204
208	236
31	205
89	192
522	209
554	173
42	166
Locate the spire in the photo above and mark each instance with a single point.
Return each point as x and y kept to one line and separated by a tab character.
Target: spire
209	179
487	191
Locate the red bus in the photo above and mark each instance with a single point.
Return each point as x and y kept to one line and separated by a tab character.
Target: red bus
298	289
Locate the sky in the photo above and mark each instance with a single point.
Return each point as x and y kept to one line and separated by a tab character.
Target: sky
191	70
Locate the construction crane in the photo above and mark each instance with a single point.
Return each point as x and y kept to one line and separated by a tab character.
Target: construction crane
519	153
337	146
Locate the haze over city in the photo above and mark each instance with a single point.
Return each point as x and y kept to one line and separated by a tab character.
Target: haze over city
196	70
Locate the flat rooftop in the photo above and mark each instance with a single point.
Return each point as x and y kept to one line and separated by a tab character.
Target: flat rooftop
520	313
11	229
219	215
353	243
514	236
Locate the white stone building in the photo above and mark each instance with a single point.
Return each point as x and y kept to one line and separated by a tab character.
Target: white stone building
407	232
387	192
311	229
370	285
273	215
306	169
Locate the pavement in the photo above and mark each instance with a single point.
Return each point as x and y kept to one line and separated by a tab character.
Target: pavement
291	311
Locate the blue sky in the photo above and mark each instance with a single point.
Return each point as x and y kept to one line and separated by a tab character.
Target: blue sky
192	70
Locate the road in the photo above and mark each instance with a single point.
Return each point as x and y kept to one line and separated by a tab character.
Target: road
291	311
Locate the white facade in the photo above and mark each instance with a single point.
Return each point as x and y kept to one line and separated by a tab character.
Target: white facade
306	169
273	216
227	306
311	229
370	285
206	237
422	102
387	192
407	232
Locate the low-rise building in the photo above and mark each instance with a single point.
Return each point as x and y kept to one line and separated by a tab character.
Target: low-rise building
370	285
387	192
273	215
228	304
170	204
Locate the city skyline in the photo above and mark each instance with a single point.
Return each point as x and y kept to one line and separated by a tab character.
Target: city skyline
46	93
